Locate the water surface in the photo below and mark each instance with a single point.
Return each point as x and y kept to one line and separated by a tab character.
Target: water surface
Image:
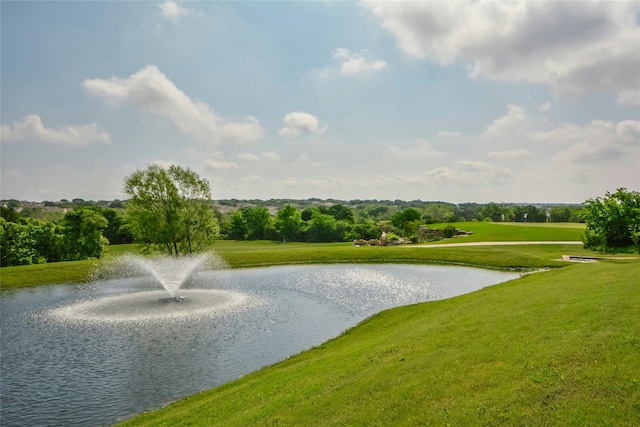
94	354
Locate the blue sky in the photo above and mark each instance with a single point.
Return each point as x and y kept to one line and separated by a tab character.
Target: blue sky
460	101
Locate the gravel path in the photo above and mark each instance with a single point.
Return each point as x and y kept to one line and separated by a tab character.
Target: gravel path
443	245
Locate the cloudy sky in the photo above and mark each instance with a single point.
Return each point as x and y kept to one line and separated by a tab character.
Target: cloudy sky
461	101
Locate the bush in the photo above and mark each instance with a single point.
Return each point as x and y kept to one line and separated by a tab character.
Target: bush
449	231
613	221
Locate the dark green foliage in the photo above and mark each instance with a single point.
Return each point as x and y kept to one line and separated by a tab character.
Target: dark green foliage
408	220
322	228
82	230
251	224
9	214
341	212
288	223
560	214
116	231
494	211
613	221
449	231
77	237
259	223
18	243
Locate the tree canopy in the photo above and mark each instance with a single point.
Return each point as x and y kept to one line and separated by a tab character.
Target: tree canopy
613	221
170	209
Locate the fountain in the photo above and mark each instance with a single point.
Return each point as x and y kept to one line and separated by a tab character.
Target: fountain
170	272
138	297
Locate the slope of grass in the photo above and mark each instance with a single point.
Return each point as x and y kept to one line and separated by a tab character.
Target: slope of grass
517	231
554	348
261	253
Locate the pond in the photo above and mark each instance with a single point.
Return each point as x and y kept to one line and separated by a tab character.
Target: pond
95	354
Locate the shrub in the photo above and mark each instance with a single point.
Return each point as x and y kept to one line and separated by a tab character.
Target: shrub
449	231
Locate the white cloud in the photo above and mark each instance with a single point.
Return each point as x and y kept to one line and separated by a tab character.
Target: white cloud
422	148
355	62
172	10
448	134
545	107
600	142
289	182
329	182
213	164
270	155
576	50
252	179
32	128
298	123
515	122
510	154
629	97
250	157
151	90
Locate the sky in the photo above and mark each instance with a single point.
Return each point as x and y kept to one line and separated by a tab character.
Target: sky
481	101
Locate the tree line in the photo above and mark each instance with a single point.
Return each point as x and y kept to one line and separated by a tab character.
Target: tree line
171	210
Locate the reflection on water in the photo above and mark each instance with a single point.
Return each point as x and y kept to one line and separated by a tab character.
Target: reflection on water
94	354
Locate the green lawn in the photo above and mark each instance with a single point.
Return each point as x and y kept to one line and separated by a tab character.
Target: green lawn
517	231
555	348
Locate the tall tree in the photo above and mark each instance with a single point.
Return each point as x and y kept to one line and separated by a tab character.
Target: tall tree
82	230
408	220
170	209
288	223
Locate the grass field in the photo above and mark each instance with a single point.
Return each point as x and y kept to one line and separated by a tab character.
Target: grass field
262	253
560	347
555	348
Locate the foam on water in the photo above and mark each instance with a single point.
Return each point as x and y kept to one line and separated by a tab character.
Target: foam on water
148	307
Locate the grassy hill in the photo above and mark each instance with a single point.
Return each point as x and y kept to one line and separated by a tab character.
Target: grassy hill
554	348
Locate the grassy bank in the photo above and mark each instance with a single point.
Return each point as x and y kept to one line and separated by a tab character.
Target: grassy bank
554	348
264	253
261	253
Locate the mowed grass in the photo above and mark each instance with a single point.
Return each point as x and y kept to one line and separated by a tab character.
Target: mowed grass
263	253
555	348
517	231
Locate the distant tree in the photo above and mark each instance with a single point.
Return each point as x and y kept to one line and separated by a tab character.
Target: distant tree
560	214
341	212
238	226
494	211
322	228
170	209
407	220
259	223
364	230
534	214
468	211
116	232
288	223
613	221
9	214
27	242
307	213
82	231
438	212
378	212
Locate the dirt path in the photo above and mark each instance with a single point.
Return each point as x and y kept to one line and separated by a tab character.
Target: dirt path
444	245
